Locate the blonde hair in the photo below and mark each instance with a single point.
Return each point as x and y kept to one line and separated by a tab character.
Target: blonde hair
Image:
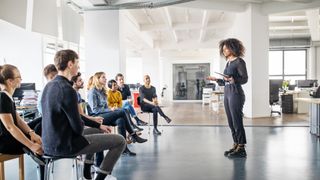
90	83
96	83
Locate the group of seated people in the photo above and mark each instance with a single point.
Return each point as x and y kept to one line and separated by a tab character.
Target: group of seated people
64	128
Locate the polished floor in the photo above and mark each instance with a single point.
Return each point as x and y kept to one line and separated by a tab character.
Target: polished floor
198	114
196	152
192	147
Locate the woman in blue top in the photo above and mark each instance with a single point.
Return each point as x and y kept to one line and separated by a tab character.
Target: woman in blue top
97	100
234	98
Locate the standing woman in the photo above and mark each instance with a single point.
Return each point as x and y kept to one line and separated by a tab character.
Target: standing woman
16	136
234	98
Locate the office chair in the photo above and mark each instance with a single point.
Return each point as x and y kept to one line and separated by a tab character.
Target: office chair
274	98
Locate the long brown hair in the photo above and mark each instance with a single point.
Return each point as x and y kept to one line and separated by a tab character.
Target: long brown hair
96	83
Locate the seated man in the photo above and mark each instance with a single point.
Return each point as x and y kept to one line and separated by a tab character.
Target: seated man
63	128
126	99
149	103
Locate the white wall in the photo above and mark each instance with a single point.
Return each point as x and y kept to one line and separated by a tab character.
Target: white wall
22	49
101	31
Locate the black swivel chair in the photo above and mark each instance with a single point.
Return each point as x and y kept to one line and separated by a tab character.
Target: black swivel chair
274	98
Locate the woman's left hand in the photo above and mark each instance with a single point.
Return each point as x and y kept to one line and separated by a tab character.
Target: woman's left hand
35	138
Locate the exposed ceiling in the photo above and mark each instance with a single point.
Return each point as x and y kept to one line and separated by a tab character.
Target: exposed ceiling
203	22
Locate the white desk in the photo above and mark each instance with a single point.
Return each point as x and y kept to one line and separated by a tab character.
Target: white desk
299	106
216	99
314	114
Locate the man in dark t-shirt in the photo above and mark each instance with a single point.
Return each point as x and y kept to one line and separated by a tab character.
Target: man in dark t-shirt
126	99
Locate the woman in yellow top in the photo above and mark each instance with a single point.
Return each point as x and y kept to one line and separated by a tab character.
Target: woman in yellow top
114	98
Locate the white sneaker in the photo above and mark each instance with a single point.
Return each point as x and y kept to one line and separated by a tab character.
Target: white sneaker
110	177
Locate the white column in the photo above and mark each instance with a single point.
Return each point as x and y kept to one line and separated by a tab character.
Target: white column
101	30
251	27
151	66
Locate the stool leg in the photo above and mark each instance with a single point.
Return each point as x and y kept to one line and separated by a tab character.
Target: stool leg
149	123
2	171
21	167
76	168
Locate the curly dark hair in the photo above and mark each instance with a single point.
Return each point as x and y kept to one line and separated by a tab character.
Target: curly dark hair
234	45
110	82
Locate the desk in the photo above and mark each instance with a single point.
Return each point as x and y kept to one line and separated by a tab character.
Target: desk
27	111
314	114
216	99
298	106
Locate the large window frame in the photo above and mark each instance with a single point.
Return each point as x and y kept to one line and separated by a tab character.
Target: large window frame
283	75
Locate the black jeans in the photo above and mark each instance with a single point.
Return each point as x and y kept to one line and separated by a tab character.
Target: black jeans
155	110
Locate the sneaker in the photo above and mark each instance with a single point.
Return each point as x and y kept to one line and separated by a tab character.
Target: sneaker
226	153
240	152
128	152
137	128
135	138
37	158
141	123
110	177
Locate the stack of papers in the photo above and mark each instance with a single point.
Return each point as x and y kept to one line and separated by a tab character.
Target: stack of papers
29	98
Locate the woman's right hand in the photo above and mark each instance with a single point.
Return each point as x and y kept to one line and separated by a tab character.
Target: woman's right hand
211	78
36	148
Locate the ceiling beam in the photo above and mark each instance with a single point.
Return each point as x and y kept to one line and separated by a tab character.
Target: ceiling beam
135	27
280	24
313	23
287	18
183	26
170	23
280	7
204	23
148	16
231	6
288	27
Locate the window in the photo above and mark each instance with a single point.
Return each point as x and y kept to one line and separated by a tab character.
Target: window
288	64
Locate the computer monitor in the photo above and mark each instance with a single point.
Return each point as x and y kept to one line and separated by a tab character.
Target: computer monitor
24	86
307	83
275	83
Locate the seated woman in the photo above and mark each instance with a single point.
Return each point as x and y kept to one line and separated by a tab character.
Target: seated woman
98	102
149	103
126	99
115	100
15	135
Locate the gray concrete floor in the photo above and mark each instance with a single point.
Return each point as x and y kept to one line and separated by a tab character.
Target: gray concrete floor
193	152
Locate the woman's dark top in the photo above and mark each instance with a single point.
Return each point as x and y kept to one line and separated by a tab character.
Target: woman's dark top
236	69
148	93
62	126
7	106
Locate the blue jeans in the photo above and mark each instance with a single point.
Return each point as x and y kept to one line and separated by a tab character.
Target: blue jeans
128	106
